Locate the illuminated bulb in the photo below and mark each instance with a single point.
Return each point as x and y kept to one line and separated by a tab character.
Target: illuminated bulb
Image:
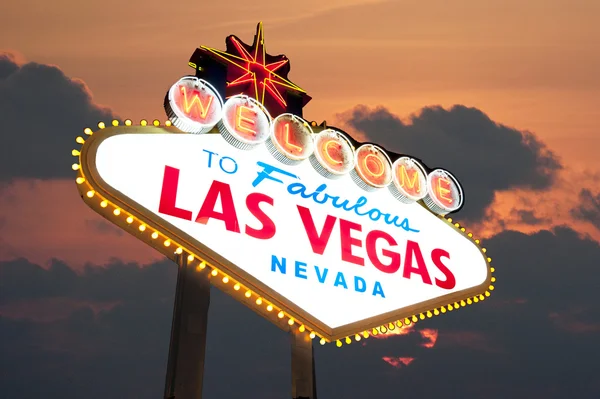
302	328
258	301
456	225
375	331
415	319
226	280
143	122
469	301
489	259
75	166
357	337
462	229
429	314
280	315
312	335
101	125
80	140
88	131
248	294
493	279
436	312
338	343
117	212
154	235
322	341
476	241
156	122
492	269
443	310
115	122
483	250
215	272
127	122
399	324
179	251
129	220
456	305
75	153
291	322
407	321
168	123
80	180
475	299
237	286
450	308
142	227
190	258
491	288
383	329
481	297
167	243
470	234
449	220
270	309
422	316
365	334
202	265
348	340
391	326
90	193
104	204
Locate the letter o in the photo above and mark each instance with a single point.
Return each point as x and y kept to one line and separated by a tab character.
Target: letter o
235	166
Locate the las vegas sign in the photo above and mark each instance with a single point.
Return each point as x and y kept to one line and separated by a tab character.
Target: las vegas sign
302	223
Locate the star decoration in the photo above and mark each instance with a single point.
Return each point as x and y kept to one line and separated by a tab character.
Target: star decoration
253	72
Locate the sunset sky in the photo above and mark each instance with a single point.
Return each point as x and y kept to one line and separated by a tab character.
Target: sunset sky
510	91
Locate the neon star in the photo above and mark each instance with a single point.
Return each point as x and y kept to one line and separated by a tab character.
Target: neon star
251	71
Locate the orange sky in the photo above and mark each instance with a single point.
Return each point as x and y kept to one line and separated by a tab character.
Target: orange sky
532	65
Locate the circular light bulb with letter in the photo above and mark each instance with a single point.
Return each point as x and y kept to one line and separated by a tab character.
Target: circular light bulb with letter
444	193
291	139
373	168
193	105
334	155
245	122
409	180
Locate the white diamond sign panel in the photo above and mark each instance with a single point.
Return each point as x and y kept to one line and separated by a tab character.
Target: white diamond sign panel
331	253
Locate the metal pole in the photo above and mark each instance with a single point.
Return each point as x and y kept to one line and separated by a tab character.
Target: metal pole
303	366
185	367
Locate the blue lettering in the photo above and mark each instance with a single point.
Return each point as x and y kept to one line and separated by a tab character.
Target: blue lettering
340	280
210	154
363	284
300	268
378	290
277	264
320	277
235	166
296	188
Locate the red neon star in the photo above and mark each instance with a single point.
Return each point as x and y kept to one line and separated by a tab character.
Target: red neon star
251	71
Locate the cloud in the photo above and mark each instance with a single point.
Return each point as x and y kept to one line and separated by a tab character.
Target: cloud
42	111
484	155
589	208
535	337
529	217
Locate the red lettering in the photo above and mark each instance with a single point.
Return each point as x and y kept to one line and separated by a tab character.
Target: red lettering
348	241
207	211
394	257
168	195
318	242
436	256
412	249
268	227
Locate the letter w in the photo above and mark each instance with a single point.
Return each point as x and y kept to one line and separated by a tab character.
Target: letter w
187	104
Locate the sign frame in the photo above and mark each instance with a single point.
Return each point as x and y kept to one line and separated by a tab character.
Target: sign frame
172	242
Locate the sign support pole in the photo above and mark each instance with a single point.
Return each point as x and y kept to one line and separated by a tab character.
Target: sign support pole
303	366
185	367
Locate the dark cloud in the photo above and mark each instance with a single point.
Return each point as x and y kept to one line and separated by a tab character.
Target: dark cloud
529	217
484	155
588	208
103	227
537	336
41	113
